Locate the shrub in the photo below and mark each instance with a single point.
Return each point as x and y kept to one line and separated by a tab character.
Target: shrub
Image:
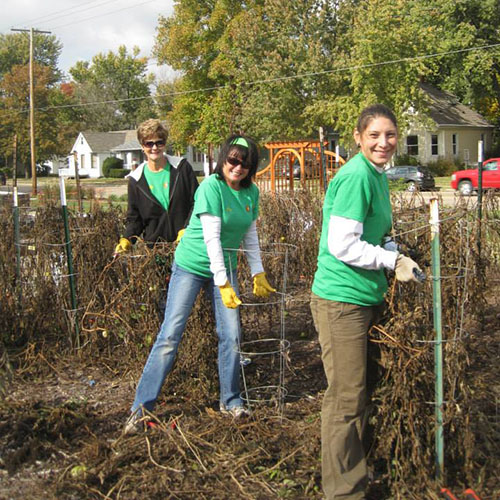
398	185
117	173
111	163
444	167
405	160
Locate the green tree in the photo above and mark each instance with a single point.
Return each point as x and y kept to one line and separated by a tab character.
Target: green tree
280	68
187	42
227	46
14	51
391	47
119	84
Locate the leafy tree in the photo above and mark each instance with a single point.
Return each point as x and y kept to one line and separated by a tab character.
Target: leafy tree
14	51
54	128
187	41
279	68
113	77
411	32
54	122
226	46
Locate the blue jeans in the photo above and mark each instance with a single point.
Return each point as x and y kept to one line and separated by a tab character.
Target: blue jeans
182	292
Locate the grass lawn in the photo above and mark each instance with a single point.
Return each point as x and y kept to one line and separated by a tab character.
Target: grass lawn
443	182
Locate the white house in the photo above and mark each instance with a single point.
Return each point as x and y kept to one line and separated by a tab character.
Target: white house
92	148
455	132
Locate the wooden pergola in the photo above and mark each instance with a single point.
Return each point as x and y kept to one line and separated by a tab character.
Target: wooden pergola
297	164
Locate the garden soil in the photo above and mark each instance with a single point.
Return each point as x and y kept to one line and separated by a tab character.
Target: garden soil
67	377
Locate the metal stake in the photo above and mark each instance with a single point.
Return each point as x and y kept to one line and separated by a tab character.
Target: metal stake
69	256
438	346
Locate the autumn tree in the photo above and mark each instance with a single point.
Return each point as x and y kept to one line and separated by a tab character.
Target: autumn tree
54	121
52	133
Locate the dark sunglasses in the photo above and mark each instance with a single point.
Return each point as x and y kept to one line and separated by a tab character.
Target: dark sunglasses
236	161
151	144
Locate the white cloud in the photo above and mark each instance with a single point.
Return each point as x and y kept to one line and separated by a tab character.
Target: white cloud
85	29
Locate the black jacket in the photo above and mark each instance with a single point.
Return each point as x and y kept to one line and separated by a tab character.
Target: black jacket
146	217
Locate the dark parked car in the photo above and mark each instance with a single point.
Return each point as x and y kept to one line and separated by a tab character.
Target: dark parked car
414	177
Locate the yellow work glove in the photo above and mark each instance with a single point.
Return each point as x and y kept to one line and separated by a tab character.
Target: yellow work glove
123	246
261	287
229	297
180	234
404	269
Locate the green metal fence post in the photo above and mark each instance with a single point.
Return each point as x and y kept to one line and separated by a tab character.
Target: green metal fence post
479	194
69	255
438	347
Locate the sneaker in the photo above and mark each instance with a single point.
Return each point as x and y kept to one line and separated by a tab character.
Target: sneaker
235	411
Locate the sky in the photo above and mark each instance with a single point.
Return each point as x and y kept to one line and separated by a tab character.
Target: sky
86	28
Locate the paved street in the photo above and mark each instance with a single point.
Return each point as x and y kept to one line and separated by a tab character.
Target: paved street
102	190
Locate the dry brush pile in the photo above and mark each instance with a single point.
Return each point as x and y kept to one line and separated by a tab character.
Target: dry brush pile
195	453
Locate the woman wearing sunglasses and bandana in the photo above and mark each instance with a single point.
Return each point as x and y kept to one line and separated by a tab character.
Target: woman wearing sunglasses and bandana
160	191
224	217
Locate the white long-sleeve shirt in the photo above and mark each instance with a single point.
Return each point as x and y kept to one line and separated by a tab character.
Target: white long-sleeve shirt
345	243
211	225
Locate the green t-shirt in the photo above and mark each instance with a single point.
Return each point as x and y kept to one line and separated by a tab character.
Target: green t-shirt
159	184
361	193
237	210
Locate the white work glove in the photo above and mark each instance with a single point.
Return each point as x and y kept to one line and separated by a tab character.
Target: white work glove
405	269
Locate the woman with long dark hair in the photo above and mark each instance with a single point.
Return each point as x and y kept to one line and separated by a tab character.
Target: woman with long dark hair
224	217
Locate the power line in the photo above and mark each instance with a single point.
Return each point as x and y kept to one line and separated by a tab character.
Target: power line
274	80
102	15
69	10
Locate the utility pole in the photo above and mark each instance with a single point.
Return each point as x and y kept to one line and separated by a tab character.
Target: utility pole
32	109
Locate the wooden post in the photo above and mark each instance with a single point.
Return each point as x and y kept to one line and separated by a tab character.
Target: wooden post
210	159
32	109
322	159
32	121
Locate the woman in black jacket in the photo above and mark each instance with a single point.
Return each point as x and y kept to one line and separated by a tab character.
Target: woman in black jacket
160	191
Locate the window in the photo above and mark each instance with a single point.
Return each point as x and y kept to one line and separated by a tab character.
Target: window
412	145
454	144
94	160
197	156
82	161
491	165
434	145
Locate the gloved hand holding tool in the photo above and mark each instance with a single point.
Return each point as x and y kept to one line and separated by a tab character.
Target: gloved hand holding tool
408	270
229	297
261	287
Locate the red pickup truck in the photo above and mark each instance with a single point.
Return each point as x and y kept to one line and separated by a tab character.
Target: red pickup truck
466	180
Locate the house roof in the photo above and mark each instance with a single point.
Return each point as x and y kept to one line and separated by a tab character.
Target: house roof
120	140
445	109
129	143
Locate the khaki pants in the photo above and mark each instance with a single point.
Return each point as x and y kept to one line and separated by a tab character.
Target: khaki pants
342	329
